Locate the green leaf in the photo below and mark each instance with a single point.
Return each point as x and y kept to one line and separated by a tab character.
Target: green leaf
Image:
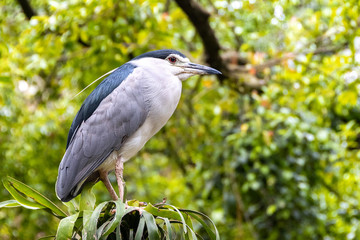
168	228
5	79
21	199
181	216
72	206
165	213
100	229
86	214
188	220
193	235
131	234
87	198
120	210
140	229
66	226
133	203
205	226
9	204
18	190
151	226
348	97
90	222
271	209
189	225
194	214
118	233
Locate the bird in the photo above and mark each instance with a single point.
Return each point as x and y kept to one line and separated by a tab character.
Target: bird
119	116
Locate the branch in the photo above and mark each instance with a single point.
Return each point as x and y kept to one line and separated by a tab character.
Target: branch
27	9
199	18
246	77
241	75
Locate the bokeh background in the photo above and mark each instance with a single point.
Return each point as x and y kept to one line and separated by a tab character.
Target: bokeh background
269	151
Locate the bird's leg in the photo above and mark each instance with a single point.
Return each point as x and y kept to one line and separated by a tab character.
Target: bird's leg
104	178
119	168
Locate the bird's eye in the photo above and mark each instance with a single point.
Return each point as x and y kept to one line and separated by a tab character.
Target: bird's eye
172	59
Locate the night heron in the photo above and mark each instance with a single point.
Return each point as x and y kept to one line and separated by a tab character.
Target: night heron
123	112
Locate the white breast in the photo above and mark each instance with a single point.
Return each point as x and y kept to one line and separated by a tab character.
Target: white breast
162	93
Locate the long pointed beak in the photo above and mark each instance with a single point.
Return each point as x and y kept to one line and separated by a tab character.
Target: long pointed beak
197	69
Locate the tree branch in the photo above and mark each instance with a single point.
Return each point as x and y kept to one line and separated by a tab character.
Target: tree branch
242	76
27	9
199	18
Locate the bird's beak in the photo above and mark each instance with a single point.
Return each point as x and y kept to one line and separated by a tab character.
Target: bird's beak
197	69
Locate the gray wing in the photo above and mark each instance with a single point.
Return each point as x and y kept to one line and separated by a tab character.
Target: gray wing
117	117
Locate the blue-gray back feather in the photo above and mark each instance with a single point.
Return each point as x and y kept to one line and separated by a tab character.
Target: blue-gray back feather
100	92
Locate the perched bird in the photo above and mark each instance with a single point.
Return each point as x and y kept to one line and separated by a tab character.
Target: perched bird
122	113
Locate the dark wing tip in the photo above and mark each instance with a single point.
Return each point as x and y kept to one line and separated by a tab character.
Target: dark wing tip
61	192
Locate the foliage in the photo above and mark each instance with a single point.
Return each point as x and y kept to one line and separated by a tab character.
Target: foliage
111	219
276	162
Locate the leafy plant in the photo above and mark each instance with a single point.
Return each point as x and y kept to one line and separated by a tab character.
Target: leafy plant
112	219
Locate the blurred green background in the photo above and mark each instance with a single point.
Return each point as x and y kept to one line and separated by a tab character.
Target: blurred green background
269	152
